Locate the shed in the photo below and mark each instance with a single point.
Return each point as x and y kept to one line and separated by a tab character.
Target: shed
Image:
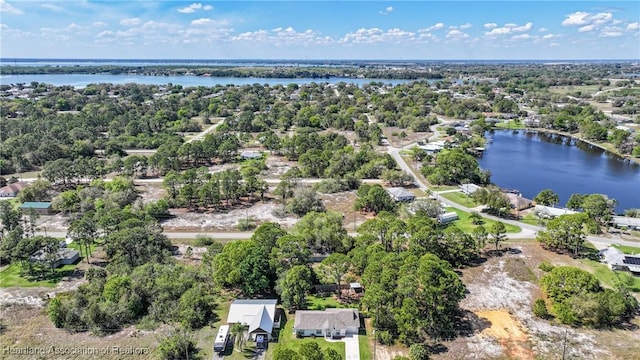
329	323
257	314
42	208
248	155
355	287
400	194
447	217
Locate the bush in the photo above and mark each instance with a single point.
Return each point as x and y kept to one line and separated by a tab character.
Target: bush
246	224
545	266
384	337
540	309
203	240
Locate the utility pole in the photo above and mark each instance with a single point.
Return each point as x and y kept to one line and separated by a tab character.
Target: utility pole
564	345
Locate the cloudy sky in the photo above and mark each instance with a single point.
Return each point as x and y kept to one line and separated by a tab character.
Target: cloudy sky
467	30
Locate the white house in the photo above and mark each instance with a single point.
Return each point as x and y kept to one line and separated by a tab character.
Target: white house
63	256
617	260
549	212
400	194
447	217
625	222
249	155
329	323
258	315
469	189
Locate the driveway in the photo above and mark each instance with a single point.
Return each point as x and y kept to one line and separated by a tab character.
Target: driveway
352	347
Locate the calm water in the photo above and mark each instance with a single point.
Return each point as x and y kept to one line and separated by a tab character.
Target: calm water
82	80
531	162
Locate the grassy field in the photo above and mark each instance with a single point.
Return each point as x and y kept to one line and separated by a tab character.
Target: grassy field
589	89
465	224
532	219
460	198
442	187
364	341
288	340
628	249
10	277
511	124
321	303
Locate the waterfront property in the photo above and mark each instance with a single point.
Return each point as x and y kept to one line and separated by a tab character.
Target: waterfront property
12	190
518	202
469	189
548	212
330	323
617	260
400	194
625	222
258	315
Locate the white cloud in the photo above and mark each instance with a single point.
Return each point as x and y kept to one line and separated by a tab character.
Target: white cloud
611	34
284	36
130	21
521	37
466	26
587	28
456	34
549	36
542	29
509	28
436	26
376	35
388	10
194	7
52	7
8	8
202	21
99	24
490	25
582	18
633	26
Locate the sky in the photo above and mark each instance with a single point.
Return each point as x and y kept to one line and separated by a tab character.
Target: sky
376	30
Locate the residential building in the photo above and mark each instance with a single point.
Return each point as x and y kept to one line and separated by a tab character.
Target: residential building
248	155
63	256
12	190
330	323
548	212
518	202
469	189
625	222
447	217
617	260
258	315
401	194
42	208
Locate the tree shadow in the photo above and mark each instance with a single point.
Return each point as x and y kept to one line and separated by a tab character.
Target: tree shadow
469	324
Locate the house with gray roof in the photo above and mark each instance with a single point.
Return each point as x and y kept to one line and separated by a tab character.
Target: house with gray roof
469	189
257	314
617	260
626	222
63	256
330	323
548	212
400	194
12	190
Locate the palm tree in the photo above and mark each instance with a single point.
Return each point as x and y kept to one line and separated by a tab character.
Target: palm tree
237	330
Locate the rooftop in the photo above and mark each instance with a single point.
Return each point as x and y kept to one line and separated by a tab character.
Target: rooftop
36	204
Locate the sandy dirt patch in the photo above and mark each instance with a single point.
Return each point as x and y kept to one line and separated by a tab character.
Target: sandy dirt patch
508	332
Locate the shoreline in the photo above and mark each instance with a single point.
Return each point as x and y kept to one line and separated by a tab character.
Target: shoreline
557	132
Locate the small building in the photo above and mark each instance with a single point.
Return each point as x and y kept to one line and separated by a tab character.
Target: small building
330	323
626	222
355	288
617	260
63	256
548	212
42	208
447	217
250	155
400	194
258	315
12	190
469	189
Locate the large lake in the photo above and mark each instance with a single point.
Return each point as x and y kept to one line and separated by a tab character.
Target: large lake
82	80
530	162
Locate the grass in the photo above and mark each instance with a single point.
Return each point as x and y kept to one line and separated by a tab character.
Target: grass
465	224
609	277
442	187
10	277
321	303
287	340
628	249
365	347
532	219
511	124
460	198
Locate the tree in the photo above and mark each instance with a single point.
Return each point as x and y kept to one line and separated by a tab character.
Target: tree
294	286
565	232
311	351
267	234
334	267
323	232
84	231
547	197
373	198
476	218
418	352
598	207
480	235
305	200
289	251
237	330
178	346
498	231
575	201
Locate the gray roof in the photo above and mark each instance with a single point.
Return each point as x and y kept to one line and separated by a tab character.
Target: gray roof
61	254
614	256
261	321
399	192
255	313
255	302
469	188
327	319
552	211
625	221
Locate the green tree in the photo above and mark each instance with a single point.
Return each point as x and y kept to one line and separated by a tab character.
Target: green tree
498	233
418	352
305	200
294	286
547	197
334	267
178	346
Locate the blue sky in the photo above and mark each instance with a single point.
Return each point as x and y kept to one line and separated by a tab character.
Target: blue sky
437	30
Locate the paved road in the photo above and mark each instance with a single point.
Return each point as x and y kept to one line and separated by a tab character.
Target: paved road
219	235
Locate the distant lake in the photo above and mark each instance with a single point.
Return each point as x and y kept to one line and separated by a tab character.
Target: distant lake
530	162
82	80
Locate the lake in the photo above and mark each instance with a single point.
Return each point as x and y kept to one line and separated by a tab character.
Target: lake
530	162
82	80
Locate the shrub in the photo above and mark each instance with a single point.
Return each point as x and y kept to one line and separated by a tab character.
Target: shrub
246	224
545	266
203	240
384	337
540	309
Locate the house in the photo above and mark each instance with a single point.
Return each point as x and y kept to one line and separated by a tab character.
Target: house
625	222
258	315
249	155
447	217
400	194
548	212
518	202
42	208
12	190
63	256
469	189
617	260
330	323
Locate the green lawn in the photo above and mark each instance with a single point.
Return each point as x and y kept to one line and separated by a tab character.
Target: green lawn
460	198
10	277
365	349
464	223
442	187
288	340
607	276
532	219
321	303
510	125
628	249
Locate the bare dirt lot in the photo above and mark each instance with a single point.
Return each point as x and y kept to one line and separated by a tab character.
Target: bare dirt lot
501	294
